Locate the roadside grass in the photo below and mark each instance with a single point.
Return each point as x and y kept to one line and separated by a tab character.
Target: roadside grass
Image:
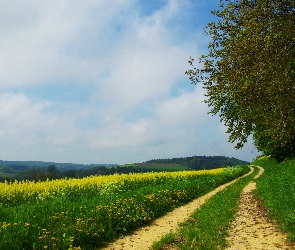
276	190
207	227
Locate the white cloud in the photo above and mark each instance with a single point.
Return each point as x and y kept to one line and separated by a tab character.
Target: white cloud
27	122
124	97
120	134
16	110
187	108
48	43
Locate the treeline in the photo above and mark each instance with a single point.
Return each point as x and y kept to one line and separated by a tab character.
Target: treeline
16	166
52	172
38	171
201	162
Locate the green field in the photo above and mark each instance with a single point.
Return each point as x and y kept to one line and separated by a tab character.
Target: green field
158	167
276	188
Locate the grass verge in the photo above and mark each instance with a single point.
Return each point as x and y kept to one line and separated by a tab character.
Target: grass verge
207	227
276	189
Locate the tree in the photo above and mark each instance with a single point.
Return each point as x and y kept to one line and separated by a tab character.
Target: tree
52	172
268	146
51	169
249	71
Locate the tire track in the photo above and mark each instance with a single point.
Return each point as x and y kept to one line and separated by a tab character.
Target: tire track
144	237
251	228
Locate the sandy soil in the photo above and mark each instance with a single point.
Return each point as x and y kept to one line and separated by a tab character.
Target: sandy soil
251	228
144	237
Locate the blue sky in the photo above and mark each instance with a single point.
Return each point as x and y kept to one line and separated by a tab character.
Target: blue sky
99	81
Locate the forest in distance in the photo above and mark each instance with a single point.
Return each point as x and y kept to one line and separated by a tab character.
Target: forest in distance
201	162
41	171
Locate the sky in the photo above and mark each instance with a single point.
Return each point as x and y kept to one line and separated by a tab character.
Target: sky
99	81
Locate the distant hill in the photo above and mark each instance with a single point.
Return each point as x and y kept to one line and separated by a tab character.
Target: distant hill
153	167
14	167
201	162
39	170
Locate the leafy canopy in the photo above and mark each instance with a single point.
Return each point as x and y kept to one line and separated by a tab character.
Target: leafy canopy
249	71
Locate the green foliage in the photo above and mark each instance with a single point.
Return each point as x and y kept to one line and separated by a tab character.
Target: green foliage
201	162
276	188
51	169
159	167
266	145
249	71
6	169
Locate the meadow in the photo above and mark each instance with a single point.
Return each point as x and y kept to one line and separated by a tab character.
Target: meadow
153	167
276	189
90	212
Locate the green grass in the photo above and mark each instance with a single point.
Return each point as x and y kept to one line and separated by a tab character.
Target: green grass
208	226
159	168
276	189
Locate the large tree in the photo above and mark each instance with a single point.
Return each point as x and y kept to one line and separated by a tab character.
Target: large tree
249	72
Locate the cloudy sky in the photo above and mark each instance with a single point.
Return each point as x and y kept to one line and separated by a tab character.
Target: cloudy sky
99	81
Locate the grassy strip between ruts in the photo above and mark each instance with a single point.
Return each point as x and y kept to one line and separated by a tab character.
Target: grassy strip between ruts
207	227
276	190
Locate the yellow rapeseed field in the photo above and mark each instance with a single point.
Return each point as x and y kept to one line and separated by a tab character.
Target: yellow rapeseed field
25	190
86	213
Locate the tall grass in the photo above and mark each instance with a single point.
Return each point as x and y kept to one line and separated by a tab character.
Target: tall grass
276	189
